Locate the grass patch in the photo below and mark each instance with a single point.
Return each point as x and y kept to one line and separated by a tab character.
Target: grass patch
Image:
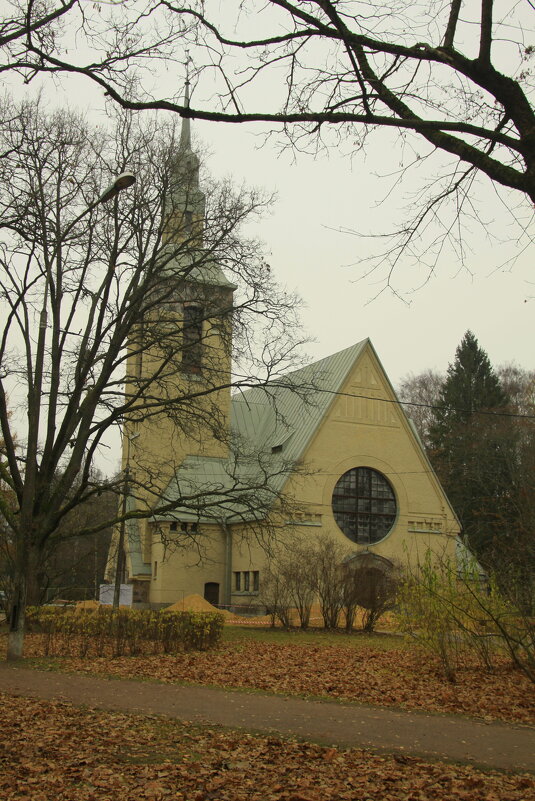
315	637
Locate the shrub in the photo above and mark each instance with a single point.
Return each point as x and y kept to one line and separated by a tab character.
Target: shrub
287	584
327	559
460	615
123	631
277	595
424	611
370	582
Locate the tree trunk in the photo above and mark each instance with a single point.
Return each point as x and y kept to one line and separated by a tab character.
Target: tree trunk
26	591
17	616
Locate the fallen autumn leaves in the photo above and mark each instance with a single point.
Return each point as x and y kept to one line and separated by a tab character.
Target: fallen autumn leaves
55	751
396	676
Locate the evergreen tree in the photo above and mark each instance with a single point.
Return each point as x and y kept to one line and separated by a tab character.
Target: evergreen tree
474	453
471	386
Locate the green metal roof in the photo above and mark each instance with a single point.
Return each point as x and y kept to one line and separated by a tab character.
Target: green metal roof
284	414
194	267
289	410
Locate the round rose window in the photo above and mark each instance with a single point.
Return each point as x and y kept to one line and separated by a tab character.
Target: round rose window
364	505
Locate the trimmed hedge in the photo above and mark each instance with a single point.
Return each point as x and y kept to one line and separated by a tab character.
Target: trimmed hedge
121	632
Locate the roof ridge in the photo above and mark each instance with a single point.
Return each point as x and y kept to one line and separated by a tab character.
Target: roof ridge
356	347
242	394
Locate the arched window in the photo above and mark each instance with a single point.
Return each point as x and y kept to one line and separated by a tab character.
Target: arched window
364	505
192	338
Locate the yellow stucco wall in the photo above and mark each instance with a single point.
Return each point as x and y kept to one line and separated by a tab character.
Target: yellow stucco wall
160	441
184	571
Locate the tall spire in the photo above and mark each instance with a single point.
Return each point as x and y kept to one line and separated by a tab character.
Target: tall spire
186	204
185	209
187	160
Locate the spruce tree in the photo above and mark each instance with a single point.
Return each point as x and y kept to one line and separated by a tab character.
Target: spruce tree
474	452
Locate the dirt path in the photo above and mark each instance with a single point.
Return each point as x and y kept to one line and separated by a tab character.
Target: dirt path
452	738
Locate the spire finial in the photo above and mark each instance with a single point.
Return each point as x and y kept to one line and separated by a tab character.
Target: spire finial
185	132
187	85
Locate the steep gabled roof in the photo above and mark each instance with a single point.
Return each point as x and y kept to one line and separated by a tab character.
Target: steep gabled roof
274	423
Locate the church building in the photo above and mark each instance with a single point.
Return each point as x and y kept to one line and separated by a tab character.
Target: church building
327	451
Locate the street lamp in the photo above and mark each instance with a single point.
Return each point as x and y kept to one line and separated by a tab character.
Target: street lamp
123	181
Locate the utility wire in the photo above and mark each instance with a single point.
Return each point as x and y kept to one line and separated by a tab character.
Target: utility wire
278	383
396	402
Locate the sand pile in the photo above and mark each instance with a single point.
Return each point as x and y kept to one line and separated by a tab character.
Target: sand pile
194	603
87	605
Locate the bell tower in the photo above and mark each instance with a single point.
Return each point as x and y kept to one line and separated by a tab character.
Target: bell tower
181	357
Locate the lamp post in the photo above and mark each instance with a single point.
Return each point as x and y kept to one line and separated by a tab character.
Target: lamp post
119	565
122	181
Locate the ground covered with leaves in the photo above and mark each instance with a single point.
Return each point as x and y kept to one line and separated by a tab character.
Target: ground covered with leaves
57	751
385	671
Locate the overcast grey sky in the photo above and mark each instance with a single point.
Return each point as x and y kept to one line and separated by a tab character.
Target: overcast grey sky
492	291
493	294
420	328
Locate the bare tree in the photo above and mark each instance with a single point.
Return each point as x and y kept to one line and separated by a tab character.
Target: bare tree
277	596
371	583
301	577
327	557
421	393
519	386
377	593
291	581
94	334
453	78
349	598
